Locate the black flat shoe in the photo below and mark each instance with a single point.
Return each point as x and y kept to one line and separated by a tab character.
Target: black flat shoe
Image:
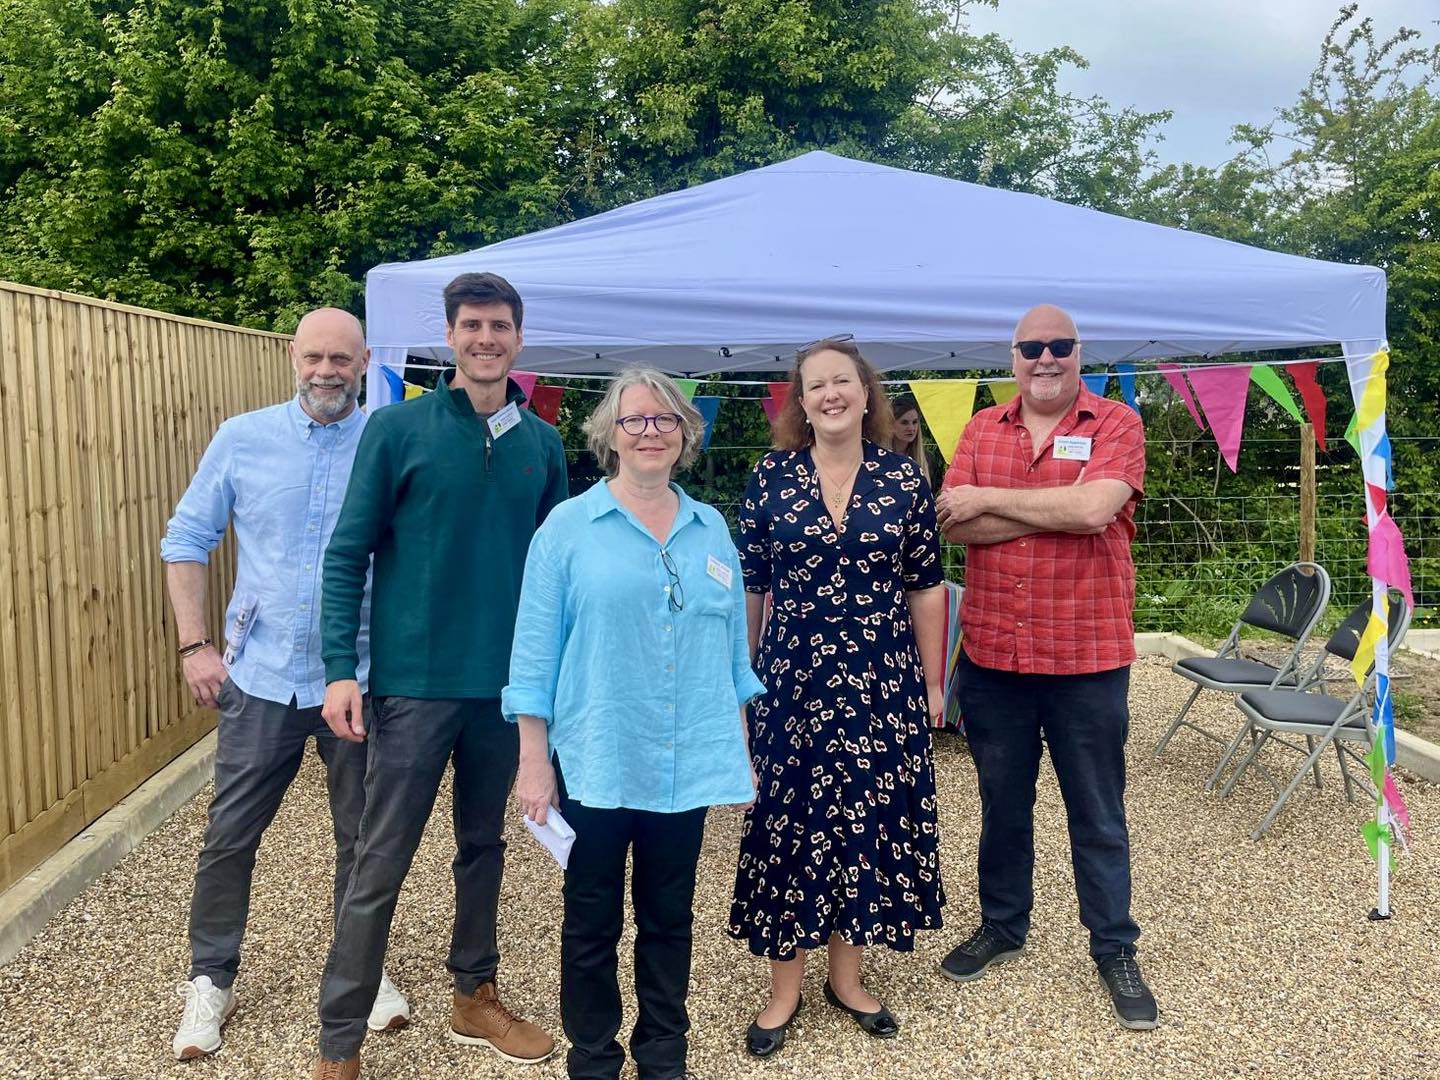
762	1042
880	1023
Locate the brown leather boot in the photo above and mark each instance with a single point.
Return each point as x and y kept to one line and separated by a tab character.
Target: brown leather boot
481	1020
349	1069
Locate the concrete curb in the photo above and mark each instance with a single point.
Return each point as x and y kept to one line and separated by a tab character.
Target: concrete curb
1412	753
30	903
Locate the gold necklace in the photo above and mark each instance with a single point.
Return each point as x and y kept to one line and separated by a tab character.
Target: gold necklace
837	495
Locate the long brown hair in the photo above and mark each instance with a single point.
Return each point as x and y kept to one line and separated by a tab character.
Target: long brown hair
900	406
793	431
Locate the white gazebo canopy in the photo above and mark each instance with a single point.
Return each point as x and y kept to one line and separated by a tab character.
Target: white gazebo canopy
925	272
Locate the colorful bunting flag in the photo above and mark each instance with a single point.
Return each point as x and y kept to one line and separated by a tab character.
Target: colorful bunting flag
526	381
1374	833
1265	377
1126	374
779	394
1306	381
1176	378
1003	391
1352	434
687	387
1387	561
545	400
947	405
413	391
1398	810
394	381
1096	383
1364	657
1372	401
709	408
1222	393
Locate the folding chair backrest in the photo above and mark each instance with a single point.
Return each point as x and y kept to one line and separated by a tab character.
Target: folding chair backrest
1291	602
1345	641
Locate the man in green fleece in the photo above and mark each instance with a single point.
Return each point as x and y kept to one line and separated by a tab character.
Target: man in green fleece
445	493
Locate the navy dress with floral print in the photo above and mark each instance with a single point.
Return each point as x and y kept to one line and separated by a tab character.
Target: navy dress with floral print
843	837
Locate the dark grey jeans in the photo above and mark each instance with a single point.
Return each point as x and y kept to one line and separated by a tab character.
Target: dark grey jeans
410	742
259	748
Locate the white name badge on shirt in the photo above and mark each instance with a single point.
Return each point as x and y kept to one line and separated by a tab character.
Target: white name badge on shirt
717	570
504	419
1072	447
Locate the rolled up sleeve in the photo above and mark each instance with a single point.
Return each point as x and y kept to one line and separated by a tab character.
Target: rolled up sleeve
203	513
539	635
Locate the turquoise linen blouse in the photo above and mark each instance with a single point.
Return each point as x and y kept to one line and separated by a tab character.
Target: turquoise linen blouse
641	701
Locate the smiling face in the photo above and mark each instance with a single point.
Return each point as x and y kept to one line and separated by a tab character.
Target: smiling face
834	396
329	356
907	427
1047	384
485	341
650	456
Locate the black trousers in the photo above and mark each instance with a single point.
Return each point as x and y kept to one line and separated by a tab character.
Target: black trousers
1084	720
666	849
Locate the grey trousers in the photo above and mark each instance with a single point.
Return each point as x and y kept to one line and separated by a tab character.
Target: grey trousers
260	745
410	741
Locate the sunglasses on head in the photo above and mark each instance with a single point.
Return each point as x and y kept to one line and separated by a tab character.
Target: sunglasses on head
1060	348
823	342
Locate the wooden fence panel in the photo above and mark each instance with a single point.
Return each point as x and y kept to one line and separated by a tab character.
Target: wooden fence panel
104	413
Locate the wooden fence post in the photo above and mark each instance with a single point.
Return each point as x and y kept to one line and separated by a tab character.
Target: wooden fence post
1307	493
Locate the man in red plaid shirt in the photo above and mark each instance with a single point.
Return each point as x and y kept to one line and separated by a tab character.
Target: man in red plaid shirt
1042	492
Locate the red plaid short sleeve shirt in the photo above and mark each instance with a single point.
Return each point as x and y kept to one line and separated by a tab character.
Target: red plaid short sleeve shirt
1052	603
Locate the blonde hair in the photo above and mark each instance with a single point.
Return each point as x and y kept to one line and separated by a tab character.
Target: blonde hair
600	427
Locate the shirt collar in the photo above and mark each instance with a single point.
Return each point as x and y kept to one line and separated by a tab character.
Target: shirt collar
459	400
600	500
305	423
1085	404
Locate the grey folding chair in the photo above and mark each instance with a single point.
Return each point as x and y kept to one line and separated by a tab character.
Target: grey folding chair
1290	604
1317	716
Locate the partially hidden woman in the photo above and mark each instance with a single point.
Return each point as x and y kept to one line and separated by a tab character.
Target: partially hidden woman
841	847
629	678
909	438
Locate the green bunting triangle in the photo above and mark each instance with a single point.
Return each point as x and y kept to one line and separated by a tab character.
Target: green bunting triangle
1352	433
1265	377
687	387
1374	832
1376	760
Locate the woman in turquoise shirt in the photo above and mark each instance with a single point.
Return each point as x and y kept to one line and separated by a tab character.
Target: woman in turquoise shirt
631	669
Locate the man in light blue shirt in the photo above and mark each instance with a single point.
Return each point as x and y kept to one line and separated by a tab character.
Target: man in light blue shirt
279	474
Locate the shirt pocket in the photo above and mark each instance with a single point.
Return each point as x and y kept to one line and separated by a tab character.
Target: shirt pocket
712	599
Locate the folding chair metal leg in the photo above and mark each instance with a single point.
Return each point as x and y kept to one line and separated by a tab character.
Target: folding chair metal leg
1246	728
1178	721
1310	743
1274	810
1345	773
1245	764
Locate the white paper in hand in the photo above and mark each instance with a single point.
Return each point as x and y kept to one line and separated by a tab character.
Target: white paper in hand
556	834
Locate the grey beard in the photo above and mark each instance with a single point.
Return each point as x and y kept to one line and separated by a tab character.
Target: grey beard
329	405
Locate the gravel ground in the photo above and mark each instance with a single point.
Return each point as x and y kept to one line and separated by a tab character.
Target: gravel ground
1260	954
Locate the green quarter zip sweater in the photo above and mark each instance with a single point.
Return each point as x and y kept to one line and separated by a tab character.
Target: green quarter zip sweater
447	510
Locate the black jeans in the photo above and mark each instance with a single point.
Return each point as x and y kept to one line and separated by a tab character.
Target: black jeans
259	747
1084	720
410	742
666	849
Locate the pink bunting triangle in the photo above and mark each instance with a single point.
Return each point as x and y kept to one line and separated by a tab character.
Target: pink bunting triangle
1176	378
1393	799
1303	375
526	381
1222	392
1387	561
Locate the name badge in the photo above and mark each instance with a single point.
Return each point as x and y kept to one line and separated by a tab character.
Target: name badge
1072	448
717	570
502	421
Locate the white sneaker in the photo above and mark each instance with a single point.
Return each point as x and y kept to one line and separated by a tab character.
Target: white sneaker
391	1010
207	1008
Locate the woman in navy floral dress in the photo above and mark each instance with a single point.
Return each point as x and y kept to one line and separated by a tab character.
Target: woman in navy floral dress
841	846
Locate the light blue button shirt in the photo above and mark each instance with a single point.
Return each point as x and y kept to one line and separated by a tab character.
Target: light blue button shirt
281	477
642	702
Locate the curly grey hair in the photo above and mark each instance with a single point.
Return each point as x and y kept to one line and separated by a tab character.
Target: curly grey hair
600	427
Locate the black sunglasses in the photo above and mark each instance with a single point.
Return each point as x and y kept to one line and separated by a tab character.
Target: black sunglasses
1060	348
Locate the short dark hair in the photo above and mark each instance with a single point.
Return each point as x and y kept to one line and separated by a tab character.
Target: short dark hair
486	288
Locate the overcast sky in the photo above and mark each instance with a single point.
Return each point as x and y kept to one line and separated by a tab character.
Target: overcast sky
1215	63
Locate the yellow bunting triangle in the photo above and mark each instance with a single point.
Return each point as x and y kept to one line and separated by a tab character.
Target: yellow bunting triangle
1002	392
1372	401
947	405
413	391
1365	651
